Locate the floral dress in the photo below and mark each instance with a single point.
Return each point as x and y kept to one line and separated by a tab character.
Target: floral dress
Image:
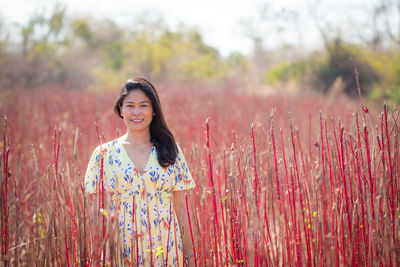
146	197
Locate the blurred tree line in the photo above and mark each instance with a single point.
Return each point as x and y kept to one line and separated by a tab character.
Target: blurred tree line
55	50
368	38
84	52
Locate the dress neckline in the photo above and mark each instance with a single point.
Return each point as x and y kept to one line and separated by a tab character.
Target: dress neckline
131	161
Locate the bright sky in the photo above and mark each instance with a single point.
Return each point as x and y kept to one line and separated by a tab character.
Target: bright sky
219	21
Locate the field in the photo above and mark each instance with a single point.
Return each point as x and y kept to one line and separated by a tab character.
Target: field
306	180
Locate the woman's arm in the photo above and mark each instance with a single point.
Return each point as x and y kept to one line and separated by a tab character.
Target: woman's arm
179	203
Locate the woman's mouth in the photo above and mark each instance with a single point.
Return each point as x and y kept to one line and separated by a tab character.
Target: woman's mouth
136	121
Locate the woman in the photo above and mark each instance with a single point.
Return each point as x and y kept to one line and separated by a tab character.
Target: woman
146	174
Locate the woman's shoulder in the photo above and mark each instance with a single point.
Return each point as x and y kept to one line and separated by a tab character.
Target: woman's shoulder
110	147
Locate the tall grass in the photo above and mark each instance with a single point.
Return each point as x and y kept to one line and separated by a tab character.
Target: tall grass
316	187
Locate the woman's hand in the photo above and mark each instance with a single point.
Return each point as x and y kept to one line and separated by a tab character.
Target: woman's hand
189	262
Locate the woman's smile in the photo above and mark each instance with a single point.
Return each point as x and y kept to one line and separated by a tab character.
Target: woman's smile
137	120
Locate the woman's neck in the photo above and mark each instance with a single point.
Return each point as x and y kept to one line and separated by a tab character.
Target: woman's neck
138	138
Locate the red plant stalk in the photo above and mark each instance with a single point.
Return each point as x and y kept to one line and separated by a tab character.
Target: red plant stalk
101	204
197	223
331	183
323	184
255	250
278	189
274	220
234	221
134	233
318	246
232	239
102	207
292	202
220	251
390	194
235	233
191	232
360	192
329	161
296	173
297	237
74	228
216	232
360	166
339	175
66	250
133	226
269	239
244	232
223	213
275	160
346	198
308	228
242	187
6	151
349	159
338	155
305	172
256	180
343	239
169	230
288	185
265	217
335	226
176	244
287	234
371	180
391	182
56	151
150	236
137	238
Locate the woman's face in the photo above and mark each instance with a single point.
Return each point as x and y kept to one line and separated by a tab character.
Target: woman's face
137	111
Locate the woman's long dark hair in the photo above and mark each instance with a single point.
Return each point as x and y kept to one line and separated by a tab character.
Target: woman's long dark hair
160	135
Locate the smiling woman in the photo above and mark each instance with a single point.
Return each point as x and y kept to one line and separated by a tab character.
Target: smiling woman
146	174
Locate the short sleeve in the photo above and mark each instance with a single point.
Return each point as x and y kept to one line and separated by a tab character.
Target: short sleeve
92	175
183	178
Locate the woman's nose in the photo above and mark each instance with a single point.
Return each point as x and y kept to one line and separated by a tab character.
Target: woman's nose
136	110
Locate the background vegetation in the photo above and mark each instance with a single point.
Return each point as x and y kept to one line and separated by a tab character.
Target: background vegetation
52	49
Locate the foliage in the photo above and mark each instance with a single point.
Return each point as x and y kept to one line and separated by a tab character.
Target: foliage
87	52
288	71
339	62
84	51
388	65
321	70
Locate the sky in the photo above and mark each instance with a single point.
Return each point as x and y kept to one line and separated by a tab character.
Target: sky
221	22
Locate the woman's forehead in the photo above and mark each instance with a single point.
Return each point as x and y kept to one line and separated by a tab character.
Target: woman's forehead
137	96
